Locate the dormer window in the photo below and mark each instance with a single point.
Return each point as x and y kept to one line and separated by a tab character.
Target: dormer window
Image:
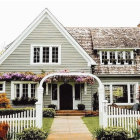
46	54
117	57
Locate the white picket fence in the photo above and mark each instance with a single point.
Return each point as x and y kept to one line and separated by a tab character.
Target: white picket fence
17	122
118	117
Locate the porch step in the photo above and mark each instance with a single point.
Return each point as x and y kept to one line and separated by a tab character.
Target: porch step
75	112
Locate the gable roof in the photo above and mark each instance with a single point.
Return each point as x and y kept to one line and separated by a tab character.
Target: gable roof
46	13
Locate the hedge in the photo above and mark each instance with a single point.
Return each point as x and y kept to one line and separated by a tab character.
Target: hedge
8	111
47	112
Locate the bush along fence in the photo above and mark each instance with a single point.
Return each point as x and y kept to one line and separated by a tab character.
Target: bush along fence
19	121
118	117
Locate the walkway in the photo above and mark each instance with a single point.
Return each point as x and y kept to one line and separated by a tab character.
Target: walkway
69	128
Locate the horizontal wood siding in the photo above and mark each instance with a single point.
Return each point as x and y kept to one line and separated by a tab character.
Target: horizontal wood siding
45	33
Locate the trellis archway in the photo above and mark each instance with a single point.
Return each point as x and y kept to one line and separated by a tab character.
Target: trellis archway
39	104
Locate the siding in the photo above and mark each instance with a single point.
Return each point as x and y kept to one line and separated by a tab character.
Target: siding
44	33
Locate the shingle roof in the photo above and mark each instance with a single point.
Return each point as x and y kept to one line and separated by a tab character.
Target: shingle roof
100	37
91	38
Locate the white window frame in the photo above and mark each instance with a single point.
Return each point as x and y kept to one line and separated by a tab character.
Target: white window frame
116	57
41	54
13	93
3	83
128	89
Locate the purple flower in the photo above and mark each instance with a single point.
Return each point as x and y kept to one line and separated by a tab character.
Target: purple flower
79	79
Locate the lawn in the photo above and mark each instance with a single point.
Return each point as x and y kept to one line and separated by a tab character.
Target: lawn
91	122
47	122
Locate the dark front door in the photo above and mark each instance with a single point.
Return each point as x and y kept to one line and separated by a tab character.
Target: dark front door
66	100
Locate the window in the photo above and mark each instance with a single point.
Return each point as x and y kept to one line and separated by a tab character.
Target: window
107	93
23	89
46	54
77	91
117	57
36	55
104	57
2	87
54	91
120	93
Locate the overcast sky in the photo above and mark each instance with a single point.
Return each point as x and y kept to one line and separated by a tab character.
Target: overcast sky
16	15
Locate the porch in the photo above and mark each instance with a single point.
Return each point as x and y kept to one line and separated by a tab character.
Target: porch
66	96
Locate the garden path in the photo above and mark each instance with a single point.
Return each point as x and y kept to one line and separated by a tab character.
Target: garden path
69	128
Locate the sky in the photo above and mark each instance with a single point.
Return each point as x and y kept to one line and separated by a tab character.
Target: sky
16	15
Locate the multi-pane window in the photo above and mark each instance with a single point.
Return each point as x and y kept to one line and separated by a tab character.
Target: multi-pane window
104	57
107	93
36	55
55	55
45	54
132	91
120	57
2	87
117	57
120	93
33	90
25	90
112	58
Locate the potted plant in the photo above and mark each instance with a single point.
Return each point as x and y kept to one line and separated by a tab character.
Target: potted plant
81	107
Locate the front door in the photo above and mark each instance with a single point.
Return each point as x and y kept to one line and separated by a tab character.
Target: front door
66	100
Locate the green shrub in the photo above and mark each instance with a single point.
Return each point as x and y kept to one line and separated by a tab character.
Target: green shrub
48	112
81	106
110	133
52	106
32	134
8	111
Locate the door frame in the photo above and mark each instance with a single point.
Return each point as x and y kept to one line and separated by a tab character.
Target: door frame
58	93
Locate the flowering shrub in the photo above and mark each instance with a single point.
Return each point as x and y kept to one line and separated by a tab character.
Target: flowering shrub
29	76
3	130
4	101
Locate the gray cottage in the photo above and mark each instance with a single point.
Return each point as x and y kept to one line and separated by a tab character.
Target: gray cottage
45	46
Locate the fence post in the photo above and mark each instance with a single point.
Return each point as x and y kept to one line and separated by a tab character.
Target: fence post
101	99
104	105
39	107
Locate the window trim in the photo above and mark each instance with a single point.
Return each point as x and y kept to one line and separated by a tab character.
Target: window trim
116	57
128	88
13	96
41	54
3	83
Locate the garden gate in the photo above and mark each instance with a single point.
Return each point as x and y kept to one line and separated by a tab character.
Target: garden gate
39	104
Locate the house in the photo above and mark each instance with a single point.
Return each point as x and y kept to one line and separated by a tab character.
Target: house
45	45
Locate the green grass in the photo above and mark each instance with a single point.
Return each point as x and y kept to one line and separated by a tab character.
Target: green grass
91	122
47	122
